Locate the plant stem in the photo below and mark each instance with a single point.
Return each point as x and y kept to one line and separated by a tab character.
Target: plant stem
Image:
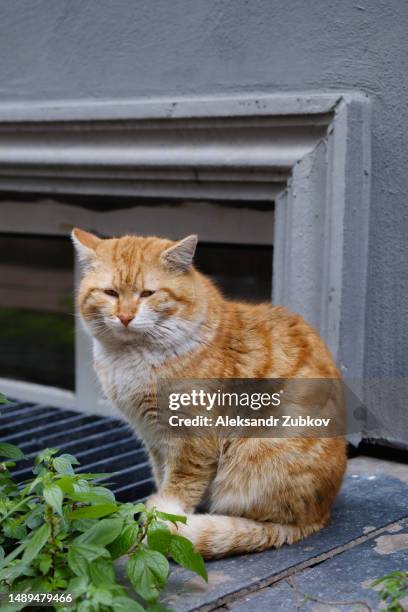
141	536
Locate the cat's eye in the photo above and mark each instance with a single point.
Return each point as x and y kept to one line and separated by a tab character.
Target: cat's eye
112	293
146	293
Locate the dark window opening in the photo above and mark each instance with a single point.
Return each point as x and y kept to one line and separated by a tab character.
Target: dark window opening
37	310
242	272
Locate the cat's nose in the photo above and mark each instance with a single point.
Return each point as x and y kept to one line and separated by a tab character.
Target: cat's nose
125	318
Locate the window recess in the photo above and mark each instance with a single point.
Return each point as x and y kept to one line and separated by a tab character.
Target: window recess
285	176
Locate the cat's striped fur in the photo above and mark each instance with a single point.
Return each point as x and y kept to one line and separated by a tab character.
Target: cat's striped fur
260	492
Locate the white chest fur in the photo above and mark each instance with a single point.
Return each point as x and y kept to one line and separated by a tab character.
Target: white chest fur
129	372
129	379
124	373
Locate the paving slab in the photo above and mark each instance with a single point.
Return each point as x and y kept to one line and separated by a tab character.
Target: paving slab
374	495
343	582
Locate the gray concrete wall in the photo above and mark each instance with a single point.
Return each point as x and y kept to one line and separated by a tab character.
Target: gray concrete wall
66	49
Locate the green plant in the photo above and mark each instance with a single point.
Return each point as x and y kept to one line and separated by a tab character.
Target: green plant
394	587
63	531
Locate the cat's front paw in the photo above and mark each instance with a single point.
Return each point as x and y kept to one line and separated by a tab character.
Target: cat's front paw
165	503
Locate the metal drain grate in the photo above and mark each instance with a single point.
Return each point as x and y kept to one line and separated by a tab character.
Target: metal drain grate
100	444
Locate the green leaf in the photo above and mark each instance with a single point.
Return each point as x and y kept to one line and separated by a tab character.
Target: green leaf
15	531
147	570
77	562
11	556
36	543
34	585
95	476
118	590
102	533
90	551
104	491
101	597
124	541
127	511
138	508
31	486
62	465
83	524
45	455
101	572
65	483
80	554
34	518
173	518
184	553
159	537
157	607
45	564
73	460
78	586
53	497
125	604
10	451
91	497
10	573
3	399
82	486
97	511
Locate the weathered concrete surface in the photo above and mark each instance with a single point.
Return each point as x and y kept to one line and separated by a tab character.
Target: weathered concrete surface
369	467
374	495
344	579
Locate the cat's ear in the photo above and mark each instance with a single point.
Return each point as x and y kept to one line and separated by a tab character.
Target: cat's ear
180	256
85	244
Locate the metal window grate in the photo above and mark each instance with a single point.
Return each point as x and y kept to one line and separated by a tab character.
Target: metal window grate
100	444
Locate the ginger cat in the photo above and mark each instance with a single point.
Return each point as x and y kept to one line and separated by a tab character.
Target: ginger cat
153	316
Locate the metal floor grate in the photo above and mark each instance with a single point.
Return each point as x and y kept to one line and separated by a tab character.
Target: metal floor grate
101	444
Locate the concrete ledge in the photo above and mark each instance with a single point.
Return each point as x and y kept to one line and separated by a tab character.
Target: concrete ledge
343	580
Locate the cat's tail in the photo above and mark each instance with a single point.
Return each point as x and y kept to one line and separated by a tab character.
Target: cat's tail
216	535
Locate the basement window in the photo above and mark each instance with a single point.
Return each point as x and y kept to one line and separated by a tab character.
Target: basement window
40	339
37	320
